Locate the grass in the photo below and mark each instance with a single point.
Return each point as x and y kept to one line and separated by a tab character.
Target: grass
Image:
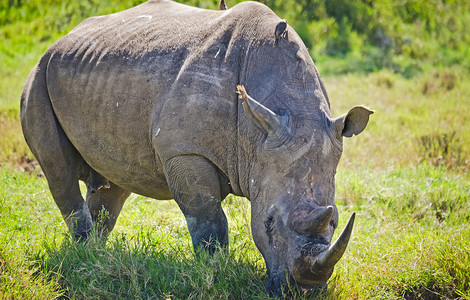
412	234
406	176
143	266
412	118
410	240
23	219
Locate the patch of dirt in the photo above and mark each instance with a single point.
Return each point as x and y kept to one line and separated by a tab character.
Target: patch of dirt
429	294
25	164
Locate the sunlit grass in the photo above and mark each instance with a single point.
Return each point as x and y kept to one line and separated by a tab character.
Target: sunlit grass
409	123
411	226
397	249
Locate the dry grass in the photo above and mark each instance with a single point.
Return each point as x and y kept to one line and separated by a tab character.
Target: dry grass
13	149
406	121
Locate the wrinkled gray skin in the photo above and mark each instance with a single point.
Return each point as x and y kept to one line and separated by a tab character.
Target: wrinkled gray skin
144	101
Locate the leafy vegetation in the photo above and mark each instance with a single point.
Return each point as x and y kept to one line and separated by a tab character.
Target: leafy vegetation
407	176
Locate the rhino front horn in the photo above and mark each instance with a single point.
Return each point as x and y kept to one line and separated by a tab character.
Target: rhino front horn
327	259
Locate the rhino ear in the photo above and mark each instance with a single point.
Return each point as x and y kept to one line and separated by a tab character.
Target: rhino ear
276	126
353	122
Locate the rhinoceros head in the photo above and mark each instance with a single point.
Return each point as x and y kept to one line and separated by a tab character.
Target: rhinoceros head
292	192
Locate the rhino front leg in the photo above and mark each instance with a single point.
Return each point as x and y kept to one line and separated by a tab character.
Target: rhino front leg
195	184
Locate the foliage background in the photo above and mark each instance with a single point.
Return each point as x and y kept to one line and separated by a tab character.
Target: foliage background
382	33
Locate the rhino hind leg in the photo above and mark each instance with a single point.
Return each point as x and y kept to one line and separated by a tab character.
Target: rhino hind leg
105	204
58	158
195	184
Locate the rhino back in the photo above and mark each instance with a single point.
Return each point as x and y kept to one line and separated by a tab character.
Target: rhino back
135	88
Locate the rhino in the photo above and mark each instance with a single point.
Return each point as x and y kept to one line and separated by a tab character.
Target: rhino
145	101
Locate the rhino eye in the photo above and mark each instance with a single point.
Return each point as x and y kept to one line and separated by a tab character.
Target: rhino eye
269	225
332	223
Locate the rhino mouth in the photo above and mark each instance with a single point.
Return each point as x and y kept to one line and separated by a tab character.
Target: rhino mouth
312	289
314	246
315	263
307	275
279	285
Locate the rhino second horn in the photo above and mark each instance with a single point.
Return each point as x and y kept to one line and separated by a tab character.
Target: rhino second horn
314	222
328	259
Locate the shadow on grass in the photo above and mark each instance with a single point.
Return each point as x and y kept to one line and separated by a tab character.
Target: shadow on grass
142	268
431	292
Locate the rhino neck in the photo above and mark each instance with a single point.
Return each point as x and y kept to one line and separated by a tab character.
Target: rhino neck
285	80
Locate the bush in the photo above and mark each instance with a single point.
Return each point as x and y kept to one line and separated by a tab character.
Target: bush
418	29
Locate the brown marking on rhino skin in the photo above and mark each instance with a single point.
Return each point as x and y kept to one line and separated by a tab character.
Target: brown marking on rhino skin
133	102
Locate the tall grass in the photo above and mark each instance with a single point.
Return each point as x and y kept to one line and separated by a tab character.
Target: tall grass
25	219
412	235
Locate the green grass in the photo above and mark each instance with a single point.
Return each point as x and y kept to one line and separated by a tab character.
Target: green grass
411	238
25	215
149	254
412	234
406	176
